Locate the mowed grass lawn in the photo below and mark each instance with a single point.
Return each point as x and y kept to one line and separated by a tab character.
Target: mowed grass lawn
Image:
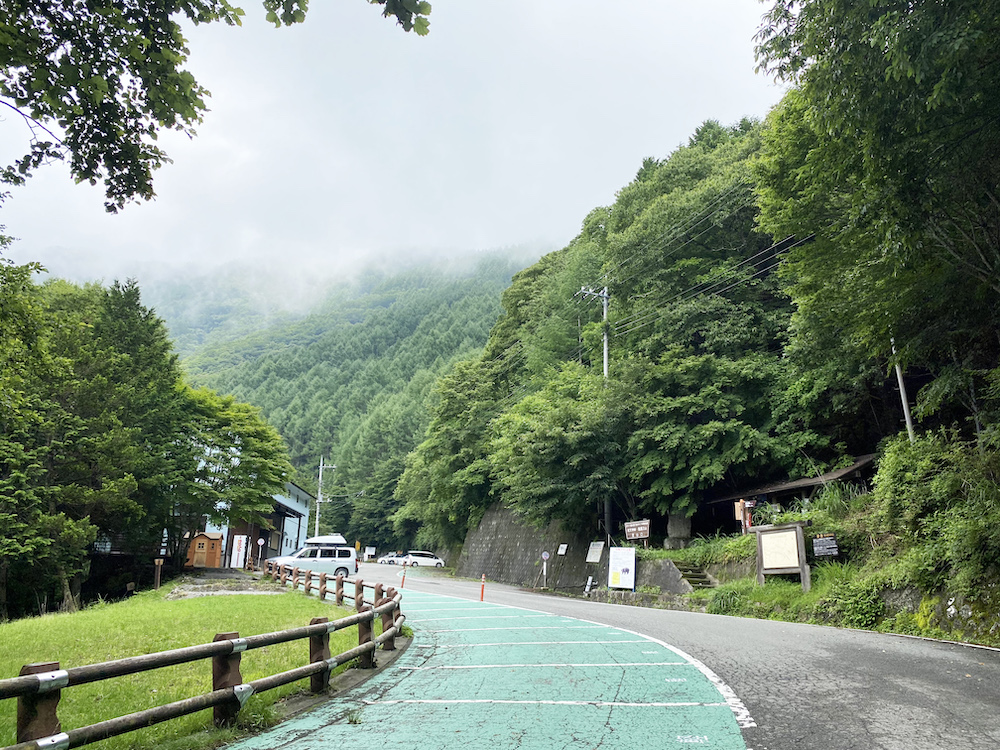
147	623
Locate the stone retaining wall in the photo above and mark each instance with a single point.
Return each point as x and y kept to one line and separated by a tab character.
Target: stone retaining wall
509	551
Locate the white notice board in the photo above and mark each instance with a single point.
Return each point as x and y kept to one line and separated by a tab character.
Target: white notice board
779	549
621	568
594	553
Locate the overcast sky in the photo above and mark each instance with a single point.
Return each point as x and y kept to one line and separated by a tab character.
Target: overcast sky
346	138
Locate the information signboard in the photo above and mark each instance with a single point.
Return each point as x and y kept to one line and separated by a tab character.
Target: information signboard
621	568
594	553
825	546
781	550
637	529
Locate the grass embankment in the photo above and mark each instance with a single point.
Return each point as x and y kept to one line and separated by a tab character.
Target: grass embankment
150	622
919	553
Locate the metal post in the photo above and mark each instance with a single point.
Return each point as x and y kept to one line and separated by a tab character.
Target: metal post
319	497
605	298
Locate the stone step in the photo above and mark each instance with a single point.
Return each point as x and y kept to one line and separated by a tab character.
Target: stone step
695	576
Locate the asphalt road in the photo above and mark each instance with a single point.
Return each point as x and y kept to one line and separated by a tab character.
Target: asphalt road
803	686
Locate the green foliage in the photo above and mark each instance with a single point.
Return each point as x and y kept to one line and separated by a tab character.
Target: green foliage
938	502
704	551
95	84
855	603
884	162
554	453
101	439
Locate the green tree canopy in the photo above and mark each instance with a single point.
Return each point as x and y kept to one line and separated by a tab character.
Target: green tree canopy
95	82
886	158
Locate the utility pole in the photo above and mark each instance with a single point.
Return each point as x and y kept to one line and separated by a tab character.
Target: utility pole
319	494
587	293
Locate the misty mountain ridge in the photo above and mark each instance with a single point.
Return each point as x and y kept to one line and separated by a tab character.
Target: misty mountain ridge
349	377
224	303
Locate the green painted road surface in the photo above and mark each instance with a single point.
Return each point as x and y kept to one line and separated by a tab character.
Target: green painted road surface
488	676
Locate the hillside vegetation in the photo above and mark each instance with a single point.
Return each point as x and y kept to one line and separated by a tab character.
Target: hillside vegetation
352	380
764	281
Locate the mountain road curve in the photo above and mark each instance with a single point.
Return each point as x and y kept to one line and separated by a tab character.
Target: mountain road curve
527	670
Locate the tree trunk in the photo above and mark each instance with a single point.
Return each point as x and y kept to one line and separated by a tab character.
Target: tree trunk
69	602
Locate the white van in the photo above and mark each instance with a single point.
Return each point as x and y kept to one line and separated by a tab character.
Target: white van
326	540
332	560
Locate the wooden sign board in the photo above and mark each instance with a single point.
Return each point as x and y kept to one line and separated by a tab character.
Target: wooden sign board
782	549
637	529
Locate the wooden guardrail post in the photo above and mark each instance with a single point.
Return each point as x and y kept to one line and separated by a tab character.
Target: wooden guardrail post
378	592
367	659
340	589
295	577
389	644
308	582
391	593
226	673
284	575
359	594
322	586
319	650
36	714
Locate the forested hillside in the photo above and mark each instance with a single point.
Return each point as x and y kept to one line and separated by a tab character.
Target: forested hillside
702	396
763	282
352	380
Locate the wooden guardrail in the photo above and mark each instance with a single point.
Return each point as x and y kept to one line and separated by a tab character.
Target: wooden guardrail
40	685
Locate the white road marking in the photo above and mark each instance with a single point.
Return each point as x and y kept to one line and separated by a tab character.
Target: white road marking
548	703
561	664
449	619
529	643
531	627
743	718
